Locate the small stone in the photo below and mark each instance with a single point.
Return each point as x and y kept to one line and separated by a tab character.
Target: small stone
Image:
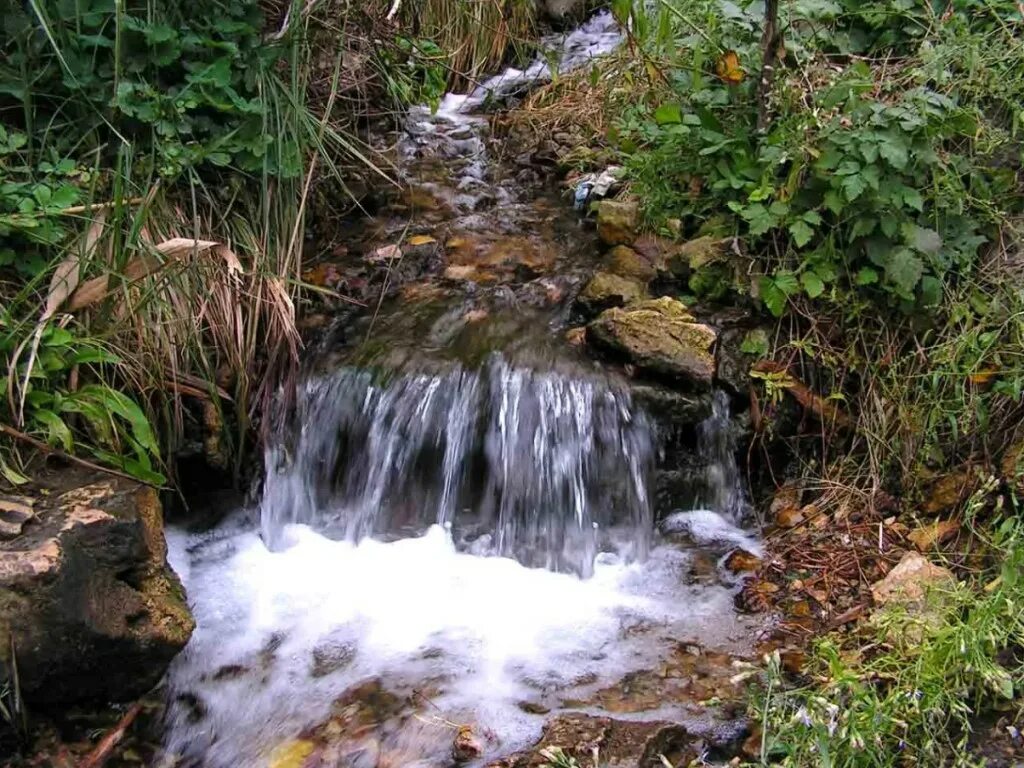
617	221
577	337
790	517
911	581
926	537
384	253
475	315
533	708
788	495
466	746
741	561
605	290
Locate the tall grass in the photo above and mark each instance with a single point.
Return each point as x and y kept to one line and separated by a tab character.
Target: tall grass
186	281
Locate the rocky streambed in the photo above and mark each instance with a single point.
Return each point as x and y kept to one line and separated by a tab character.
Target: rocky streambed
502	514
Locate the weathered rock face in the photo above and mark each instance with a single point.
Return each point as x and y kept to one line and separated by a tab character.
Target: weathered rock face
620	743
86	594
617	221
659	335
627	262
606	290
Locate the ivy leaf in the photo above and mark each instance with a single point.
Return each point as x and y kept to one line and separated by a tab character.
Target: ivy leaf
833	202
813	285
904	270
801	232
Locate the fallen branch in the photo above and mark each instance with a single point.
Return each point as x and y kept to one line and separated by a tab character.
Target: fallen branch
39	445
823	410
105	748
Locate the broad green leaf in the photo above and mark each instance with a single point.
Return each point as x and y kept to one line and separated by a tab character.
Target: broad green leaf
58	432
904	270
866	276
813	285
669	114
853	186
801	232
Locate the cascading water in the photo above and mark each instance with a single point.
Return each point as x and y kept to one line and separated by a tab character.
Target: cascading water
716	446
527	464
424	528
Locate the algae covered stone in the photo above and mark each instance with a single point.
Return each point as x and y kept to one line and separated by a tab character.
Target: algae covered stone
605	290
659	335
617	221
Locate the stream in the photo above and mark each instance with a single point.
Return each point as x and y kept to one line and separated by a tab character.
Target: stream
461	528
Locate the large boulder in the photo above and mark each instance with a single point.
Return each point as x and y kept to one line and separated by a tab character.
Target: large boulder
661	336
86	596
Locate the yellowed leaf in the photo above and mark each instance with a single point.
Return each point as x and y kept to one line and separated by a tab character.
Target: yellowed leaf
291	754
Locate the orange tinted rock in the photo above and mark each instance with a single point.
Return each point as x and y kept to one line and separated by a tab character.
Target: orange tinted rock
742	561
948	491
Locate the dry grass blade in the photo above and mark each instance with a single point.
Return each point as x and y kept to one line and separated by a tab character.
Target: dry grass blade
62	285
95	290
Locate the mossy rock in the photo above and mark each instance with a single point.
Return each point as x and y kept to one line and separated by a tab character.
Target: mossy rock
627	262
87	598
606	290
661	336
617	221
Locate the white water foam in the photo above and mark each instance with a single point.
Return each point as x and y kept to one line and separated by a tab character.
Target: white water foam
489	632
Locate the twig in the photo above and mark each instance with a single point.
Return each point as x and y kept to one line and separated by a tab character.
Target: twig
103	750
39	445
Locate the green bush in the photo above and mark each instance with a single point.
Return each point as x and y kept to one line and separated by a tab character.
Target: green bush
882	175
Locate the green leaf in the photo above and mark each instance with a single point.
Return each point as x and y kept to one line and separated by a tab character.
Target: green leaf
57	431
773	298
669	114
894	149
931	291
834	202
904	271
852	187
925	240
801	232
866	276
912	199
812	284
786	282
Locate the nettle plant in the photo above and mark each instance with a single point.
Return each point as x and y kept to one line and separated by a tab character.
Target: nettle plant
877	182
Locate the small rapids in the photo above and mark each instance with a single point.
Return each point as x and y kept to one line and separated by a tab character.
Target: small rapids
473	543
515	462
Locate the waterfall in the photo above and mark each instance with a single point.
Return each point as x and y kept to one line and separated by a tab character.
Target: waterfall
526	464
723	488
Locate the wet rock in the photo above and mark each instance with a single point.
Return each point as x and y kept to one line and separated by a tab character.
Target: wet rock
660	336
790	517
577	337
617	221
620	743
15	513
927	537
384	254
87	597
331	657
561	11
948	491
626	262
696	254
742	561
669	407
466	745
606	290
912	582
734	361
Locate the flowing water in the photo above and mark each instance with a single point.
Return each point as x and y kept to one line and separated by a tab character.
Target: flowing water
458	527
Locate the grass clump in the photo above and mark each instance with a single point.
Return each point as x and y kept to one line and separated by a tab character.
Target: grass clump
909	688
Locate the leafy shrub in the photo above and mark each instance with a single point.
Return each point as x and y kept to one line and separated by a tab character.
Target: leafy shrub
882	182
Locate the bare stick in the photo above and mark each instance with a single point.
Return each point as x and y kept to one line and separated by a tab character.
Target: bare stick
103	750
